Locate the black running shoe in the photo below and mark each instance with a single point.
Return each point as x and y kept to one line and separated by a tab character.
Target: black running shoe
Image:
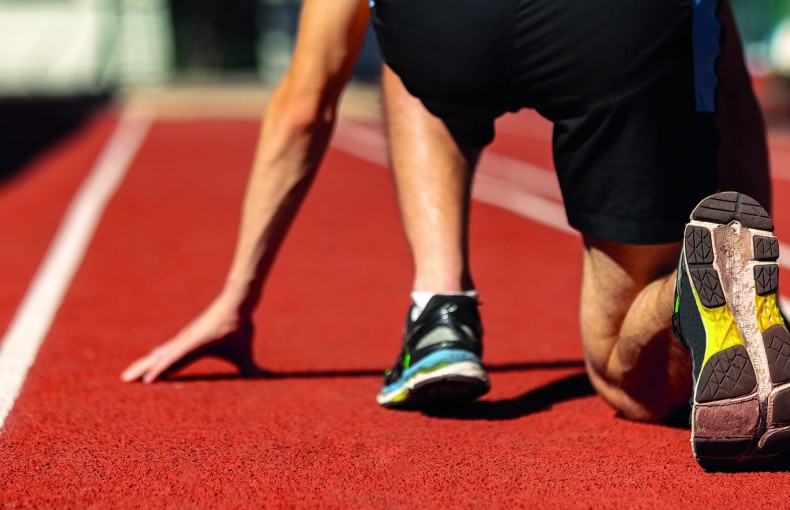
726	313
440	358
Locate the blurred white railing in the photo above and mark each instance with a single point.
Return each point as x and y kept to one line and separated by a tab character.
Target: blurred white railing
56	47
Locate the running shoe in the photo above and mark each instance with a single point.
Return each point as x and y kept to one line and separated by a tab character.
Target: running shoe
727	315
440	359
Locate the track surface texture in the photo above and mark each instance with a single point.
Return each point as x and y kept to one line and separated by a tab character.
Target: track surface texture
329	324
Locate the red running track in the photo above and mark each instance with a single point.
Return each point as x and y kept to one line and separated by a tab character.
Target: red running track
329	325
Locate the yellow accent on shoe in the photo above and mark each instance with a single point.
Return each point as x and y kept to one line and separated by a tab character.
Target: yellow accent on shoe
400	397
721	332
768	313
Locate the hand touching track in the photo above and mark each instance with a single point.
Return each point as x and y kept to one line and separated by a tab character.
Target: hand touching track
217	332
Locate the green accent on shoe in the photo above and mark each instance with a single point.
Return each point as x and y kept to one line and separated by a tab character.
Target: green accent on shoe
406	360
677	303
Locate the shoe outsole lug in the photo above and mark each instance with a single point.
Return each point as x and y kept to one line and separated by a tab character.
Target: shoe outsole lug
720	208
765	248
730	206
779	407
766	278
727	374
777	349
699	248
706	282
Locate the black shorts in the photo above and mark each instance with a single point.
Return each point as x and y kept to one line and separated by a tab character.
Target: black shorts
635	142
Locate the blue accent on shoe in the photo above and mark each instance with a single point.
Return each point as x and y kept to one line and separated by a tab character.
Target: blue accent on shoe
445	356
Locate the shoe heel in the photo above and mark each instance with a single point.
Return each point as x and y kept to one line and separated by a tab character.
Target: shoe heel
727	419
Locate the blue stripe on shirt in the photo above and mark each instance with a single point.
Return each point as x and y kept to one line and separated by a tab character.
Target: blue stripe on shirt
707	48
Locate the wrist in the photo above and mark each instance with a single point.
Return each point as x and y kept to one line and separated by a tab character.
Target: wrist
239	297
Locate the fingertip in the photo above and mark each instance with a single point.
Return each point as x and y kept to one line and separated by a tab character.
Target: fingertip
130	375
150	376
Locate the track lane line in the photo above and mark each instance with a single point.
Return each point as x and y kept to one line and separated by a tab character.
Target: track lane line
523	188
34	316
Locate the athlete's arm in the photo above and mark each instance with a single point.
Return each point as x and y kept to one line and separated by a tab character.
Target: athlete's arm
294	136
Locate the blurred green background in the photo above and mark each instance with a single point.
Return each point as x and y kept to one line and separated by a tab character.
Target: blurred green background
59	59
83	46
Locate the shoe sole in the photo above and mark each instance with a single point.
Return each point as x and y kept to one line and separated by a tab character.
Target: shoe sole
442	378
741	408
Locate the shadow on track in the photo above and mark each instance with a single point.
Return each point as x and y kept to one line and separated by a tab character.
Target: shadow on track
533	401
540	399
265	373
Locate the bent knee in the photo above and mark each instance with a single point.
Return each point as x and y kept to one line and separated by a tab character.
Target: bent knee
656	402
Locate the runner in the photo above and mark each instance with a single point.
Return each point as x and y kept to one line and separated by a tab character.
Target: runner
629	150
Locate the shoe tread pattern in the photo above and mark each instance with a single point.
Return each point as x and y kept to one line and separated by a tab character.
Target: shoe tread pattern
765	248
730	206
727	374
744	425
766	278
780	412
699	246
709	290
777	350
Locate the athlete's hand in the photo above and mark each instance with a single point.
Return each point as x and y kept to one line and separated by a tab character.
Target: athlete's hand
217	332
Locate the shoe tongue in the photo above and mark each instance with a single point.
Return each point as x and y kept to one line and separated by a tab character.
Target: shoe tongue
414	314
432	302
426	299
440	300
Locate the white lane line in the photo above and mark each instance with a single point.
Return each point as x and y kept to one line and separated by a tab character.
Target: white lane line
779	163
529	178
514	185
33	318
535	129
502	193
519	187
369	144
361	141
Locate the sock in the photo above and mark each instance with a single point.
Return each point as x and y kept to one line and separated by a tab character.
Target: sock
421	298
